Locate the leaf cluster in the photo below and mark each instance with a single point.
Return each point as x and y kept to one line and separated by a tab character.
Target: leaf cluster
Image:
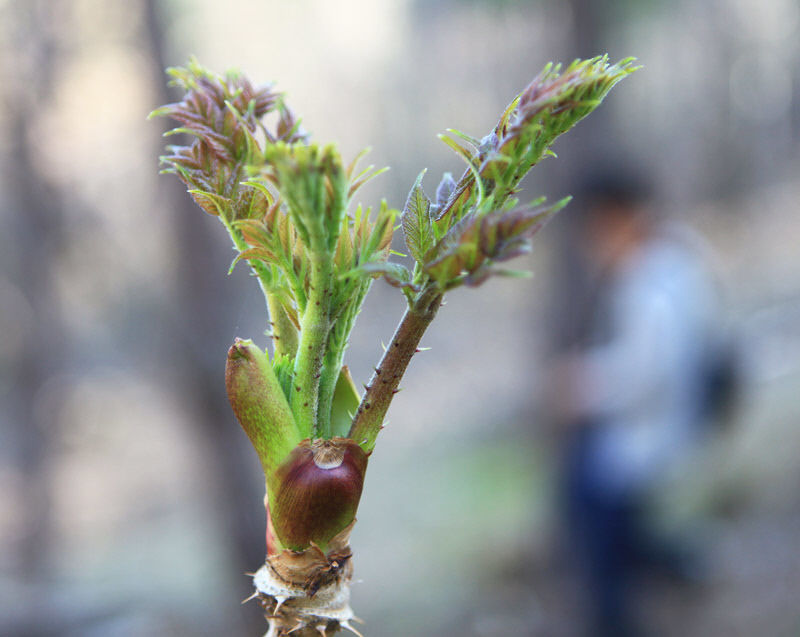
222	116
477	221
284	201
477	242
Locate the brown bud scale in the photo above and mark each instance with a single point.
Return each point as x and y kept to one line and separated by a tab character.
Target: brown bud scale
318	490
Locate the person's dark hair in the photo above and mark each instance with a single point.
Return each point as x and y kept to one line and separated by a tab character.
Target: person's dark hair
620	186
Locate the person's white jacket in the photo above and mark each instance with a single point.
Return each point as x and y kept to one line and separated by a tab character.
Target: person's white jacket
643	383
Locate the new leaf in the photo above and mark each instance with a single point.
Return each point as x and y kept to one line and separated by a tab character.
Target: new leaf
417	223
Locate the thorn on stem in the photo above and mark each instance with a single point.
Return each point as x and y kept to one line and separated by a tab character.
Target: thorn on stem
346	624
279	599
247	599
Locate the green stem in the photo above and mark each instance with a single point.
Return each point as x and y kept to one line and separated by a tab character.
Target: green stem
259	267
341	327
314	330
383	385
330	374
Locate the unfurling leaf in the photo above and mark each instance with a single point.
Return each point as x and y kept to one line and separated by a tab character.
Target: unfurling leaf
465	154
212	203
395	274
466	254
417	223
369	173
222	114
552	104
288	128
313	183
445	188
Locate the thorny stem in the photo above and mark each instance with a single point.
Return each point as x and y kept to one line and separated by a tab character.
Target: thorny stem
383	385
314	330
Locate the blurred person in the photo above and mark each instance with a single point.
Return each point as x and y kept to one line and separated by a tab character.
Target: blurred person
634	392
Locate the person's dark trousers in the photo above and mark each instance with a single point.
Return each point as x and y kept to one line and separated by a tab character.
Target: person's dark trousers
603	535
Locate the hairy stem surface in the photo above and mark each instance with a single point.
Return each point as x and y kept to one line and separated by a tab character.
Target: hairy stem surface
314	330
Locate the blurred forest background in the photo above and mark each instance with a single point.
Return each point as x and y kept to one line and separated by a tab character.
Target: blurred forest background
130	502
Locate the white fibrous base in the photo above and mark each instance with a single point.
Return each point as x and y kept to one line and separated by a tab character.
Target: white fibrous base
307	593
290	609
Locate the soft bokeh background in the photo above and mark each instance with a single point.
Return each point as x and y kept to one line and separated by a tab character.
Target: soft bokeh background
130	502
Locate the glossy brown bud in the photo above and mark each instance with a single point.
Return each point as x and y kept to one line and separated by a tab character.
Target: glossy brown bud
317	490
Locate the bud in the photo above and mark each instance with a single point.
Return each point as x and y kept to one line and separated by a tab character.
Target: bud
445	188
260	404
317	492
